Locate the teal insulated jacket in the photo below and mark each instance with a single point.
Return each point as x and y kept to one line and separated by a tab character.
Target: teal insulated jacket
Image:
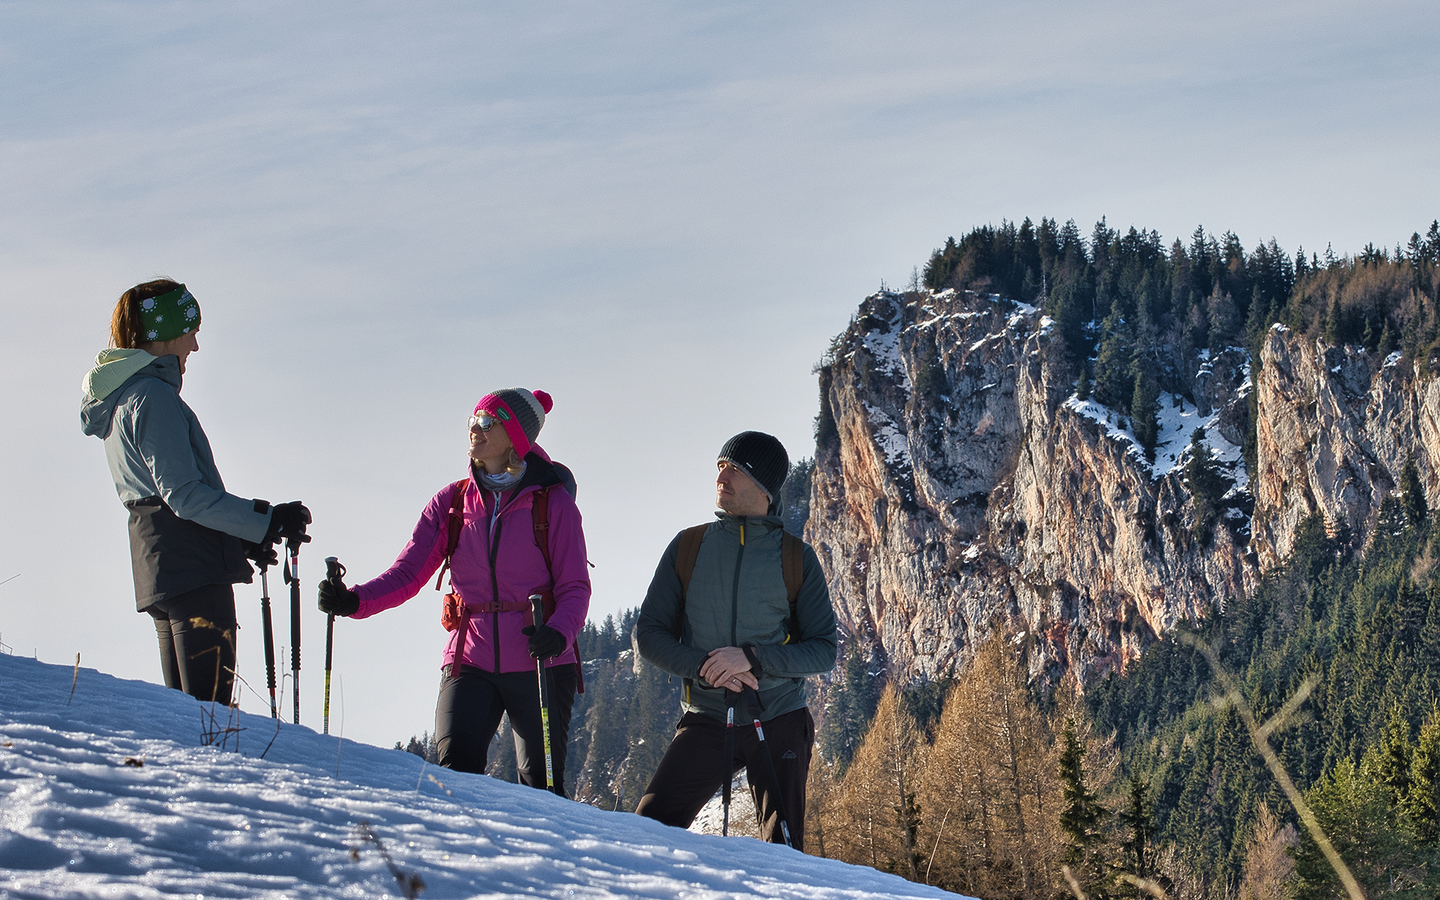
185	528
737	598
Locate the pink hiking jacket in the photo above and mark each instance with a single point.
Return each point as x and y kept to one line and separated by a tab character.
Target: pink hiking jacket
494	642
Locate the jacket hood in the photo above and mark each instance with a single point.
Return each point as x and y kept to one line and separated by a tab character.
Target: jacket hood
114	369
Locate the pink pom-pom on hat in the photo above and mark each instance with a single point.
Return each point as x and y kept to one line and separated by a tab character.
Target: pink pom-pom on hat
520	411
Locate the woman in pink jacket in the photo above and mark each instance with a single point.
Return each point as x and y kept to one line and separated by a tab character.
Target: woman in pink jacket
517	534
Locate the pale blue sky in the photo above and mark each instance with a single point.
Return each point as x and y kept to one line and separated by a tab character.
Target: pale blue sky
658	212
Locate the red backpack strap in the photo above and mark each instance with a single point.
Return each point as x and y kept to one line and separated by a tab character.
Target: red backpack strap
686	555
792	567
540	520
455	521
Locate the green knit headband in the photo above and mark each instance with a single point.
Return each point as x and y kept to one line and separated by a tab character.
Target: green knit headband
168	316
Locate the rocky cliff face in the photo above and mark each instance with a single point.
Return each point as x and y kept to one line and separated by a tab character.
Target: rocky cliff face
1336	429
960	486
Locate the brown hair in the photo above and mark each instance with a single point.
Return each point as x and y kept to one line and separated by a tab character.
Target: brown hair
125	321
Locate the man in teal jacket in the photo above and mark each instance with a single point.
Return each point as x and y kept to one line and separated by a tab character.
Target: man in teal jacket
734	639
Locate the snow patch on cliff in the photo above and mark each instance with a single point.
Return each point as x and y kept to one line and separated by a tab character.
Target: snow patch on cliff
893	443
1177	421
883	345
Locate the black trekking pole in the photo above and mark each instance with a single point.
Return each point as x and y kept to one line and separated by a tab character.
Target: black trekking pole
729	762
334	572
764	751
268	626
537	608
292	575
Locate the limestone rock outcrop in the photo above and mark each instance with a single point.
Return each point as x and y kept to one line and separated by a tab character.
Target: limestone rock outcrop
960	485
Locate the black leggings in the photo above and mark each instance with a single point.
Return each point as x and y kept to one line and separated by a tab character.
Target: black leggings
468	713
196	631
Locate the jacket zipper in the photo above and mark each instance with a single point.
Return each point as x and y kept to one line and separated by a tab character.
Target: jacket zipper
495	525
735	591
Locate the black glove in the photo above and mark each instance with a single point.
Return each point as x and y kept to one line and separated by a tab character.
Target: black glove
337	599
545	641
262	554
287	522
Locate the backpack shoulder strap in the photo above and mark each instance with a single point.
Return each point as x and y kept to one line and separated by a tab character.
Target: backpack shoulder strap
688	552
792	567
457	517
454	522
540	519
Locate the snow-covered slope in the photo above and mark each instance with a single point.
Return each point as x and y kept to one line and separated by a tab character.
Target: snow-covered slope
114	793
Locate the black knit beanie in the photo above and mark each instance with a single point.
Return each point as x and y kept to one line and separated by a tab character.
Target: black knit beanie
761	456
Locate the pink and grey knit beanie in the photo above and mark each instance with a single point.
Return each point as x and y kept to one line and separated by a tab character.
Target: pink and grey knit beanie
522	413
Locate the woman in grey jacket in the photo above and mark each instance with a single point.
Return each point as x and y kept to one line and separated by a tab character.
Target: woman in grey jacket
189	539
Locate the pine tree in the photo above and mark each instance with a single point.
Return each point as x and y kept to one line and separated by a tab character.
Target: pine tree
1353	809
1082	818
1393	765
1336	332
851	704
423	747
1138	819
1421	803
1114	382
1144	411
1207	485
1417	509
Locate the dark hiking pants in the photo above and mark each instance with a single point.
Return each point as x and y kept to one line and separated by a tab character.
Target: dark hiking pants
694	768
196	631
468	713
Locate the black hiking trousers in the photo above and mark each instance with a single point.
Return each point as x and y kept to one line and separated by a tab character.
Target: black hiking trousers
694	768
196	631
467	715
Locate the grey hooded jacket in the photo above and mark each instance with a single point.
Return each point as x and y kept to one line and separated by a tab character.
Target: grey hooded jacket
185	530
737	598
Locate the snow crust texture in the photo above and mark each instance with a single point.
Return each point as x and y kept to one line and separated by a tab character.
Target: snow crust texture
113	793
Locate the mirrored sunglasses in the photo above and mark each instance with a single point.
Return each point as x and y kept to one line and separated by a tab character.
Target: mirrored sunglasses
483	421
